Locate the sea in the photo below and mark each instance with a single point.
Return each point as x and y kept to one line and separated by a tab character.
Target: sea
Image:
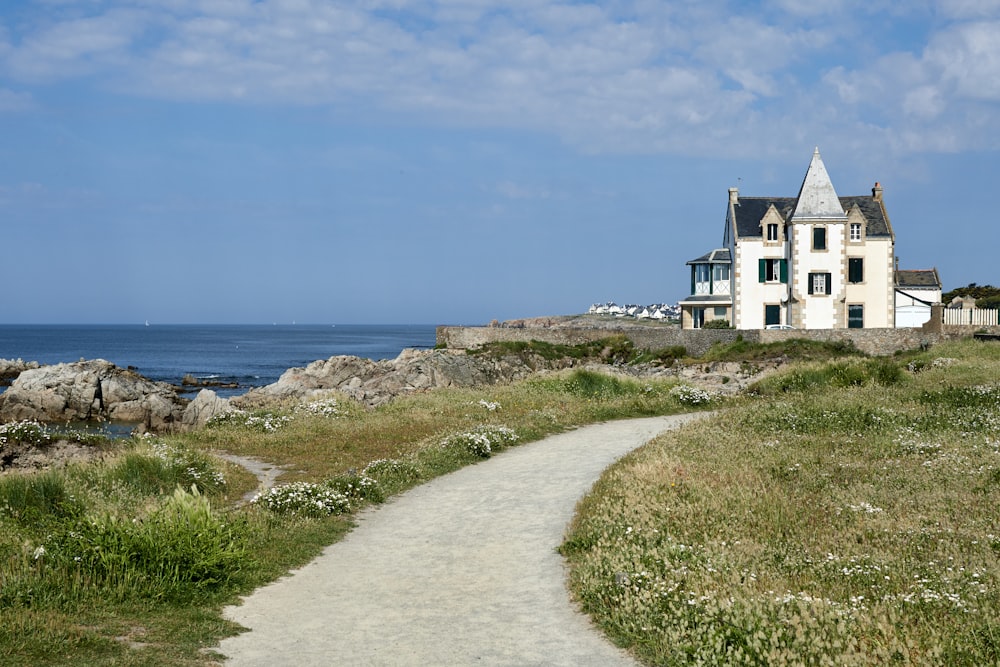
244	355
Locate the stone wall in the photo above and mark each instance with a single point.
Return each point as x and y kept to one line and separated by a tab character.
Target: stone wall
697	341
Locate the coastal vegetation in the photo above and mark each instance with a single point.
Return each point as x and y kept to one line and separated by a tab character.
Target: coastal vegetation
843	513
129	560
730	539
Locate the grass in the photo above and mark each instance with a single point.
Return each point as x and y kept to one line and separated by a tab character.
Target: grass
130	559
757	537
844	514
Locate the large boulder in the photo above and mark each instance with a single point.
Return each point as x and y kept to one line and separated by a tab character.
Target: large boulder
206	404
95	389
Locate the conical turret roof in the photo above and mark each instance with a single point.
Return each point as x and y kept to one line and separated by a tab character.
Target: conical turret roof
817	199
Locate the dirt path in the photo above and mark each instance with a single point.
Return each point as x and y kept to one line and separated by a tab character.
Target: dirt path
462	570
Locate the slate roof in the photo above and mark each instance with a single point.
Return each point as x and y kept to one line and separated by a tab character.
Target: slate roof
918	279
750	210
817	198
719	299
717	256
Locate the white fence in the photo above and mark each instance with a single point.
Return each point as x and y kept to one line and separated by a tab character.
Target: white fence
979	317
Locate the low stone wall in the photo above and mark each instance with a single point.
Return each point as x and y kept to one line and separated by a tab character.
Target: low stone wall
697	341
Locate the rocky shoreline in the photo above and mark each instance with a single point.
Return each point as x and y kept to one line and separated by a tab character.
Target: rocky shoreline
98	391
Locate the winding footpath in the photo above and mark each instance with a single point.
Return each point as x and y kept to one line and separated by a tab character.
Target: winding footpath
462	570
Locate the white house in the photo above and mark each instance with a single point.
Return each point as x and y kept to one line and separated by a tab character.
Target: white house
916	292
814	261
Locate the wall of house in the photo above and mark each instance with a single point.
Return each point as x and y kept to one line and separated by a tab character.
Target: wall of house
911	309
751	294
819	311
697	341
876	292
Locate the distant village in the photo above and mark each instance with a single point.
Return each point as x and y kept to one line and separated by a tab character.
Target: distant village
657	311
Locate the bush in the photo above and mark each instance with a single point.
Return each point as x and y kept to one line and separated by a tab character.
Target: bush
38	497
357	487
27	431
180	550
303	499
482	441
591	384
717	324
166	467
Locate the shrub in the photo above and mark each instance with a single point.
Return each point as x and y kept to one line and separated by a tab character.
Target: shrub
687	395
326	407
357	487
391	469
165	467
261	422
38	497
482	441
717	324
175	553
591	384
303	499
27	431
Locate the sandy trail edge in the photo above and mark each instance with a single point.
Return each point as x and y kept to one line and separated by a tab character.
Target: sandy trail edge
458	571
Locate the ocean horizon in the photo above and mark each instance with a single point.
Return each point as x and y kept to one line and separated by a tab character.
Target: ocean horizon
246	355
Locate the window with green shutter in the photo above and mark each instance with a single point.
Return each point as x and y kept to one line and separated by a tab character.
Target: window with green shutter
819	238
855	269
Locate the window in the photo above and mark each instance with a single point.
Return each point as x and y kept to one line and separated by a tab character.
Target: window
721	272
772	315
819	238
773	271
701	274
855	231
855	317
697	318
772	231
819	283
721	312
855	269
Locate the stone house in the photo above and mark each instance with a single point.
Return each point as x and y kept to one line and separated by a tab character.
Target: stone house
814	261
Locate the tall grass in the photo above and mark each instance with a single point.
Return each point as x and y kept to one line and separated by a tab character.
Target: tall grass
845	516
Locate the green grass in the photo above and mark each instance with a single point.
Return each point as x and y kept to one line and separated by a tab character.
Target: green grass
843	515
129	560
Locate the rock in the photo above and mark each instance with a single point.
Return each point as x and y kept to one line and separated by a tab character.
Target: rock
11	368
376	382
205	405
95	389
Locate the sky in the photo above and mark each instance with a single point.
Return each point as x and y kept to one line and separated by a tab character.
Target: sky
456	162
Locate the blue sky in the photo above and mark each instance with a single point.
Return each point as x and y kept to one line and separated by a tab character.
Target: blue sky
242	161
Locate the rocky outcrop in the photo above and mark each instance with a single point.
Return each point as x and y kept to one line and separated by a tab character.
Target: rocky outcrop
206	404
375	382
95	389
11	368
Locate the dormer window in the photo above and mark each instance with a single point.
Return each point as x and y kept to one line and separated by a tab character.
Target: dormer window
855	232
772	231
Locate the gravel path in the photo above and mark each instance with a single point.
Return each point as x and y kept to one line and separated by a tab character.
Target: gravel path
462	570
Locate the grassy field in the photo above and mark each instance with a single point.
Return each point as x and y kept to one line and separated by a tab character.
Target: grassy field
842	512
845	513
129	561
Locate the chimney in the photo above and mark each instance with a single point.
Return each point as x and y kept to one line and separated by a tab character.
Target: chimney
734	195
877	192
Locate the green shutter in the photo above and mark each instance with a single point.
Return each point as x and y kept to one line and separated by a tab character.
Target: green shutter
692	279
761	268
811	284
783	269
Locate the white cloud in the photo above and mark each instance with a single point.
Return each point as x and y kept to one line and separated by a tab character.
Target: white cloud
626	76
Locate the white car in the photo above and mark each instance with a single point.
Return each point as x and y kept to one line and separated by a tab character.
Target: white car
779	326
